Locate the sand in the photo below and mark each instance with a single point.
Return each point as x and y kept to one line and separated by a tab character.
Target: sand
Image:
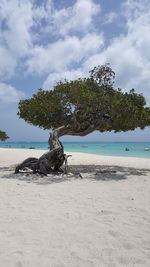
65	221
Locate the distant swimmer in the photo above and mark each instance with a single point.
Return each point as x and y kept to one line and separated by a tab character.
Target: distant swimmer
127	149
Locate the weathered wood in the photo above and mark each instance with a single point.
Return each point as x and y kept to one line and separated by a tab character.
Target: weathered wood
49	161
31	163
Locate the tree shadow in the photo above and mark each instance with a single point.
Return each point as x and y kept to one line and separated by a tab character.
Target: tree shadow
106	173
85	172
30	177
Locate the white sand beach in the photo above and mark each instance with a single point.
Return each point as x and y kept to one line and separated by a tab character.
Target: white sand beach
61	220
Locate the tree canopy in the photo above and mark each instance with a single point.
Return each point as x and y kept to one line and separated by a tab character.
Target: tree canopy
3	136
85	105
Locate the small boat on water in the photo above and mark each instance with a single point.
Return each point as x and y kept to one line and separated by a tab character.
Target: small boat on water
146	149
31	147
127	149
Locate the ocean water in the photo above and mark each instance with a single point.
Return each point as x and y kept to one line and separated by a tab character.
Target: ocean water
136	149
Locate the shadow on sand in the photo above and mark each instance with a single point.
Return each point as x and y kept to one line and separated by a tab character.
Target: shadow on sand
92	172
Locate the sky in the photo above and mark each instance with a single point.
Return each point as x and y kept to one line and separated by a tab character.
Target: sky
42	42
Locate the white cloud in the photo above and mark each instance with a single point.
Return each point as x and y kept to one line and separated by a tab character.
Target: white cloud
61	54
8	63
15	37
77	18
8	94
110	17
24	25
18	19
20	24
134	8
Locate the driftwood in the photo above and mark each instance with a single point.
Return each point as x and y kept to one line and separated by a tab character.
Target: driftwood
51	161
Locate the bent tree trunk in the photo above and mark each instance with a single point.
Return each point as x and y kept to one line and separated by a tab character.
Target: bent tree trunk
50	161
53	160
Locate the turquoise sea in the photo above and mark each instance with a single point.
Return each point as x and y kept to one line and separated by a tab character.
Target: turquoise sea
135	149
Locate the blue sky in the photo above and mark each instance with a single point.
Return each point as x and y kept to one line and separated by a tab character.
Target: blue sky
42	42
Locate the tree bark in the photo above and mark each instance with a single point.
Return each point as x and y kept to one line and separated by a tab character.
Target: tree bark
50	161
54	159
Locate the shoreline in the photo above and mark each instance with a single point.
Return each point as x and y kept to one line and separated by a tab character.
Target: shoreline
69	152
118	149
17	155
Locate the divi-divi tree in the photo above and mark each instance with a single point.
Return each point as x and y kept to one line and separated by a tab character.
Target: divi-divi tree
82	106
